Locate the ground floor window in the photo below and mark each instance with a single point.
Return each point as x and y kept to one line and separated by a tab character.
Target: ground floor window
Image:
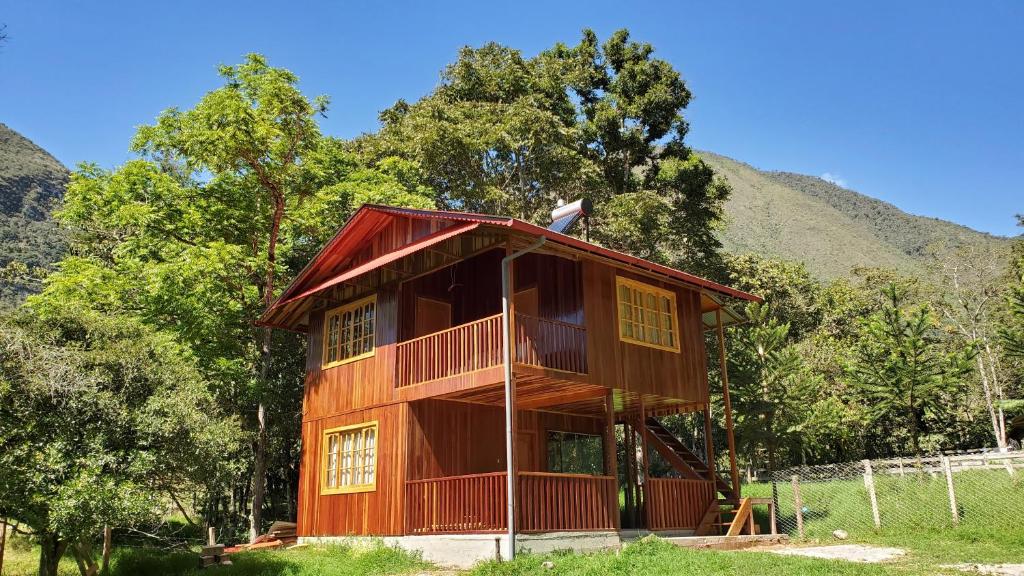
350	459
574	453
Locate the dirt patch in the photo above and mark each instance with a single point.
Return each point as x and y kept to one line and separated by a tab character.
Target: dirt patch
848	552
994	569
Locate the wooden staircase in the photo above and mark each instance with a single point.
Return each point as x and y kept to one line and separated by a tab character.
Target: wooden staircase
682	459
724	518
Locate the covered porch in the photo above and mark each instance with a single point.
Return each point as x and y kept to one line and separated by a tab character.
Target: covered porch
616	469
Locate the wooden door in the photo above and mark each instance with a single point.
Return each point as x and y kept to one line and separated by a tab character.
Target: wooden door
527	303
431	316
526	451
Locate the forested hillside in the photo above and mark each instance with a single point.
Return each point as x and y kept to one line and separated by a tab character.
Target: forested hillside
31	183
831	229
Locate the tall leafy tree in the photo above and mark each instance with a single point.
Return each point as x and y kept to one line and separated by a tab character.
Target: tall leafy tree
197	237
771	389
251	136
1012	334
508	134
499	135
970	300
901	365
631	108
100	418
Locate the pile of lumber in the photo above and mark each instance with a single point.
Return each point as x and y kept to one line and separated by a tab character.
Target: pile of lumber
280	535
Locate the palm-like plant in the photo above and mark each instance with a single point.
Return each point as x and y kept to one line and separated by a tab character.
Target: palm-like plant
900	364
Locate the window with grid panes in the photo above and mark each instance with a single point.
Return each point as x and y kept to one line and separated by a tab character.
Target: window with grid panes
350	459
647	315
349	332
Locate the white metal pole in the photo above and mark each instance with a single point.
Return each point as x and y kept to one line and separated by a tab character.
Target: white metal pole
506	327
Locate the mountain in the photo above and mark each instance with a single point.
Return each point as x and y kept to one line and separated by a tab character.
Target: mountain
31	184
830	228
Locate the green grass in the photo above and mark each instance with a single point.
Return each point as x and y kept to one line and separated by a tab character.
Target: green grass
915	514
322	560
658	557
914	511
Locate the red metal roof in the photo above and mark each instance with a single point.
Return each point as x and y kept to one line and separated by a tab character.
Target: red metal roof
371	217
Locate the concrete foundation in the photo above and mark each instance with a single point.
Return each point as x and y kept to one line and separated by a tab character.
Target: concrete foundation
466	550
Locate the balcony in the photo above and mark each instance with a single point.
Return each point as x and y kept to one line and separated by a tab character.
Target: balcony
477	346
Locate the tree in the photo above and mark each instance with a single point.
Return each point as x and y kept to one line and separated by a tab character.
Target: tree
251	135
971	296
770	388
507	134
788	286
101	418
901	365
497	136
229	200
1012	335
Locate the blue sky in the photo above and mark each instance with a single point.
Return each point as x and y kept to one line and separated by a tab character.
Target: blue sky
916	103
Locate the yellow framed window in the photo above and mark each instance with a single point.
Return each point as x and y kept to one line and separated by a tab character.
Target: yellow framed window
647	315
349	331
349	459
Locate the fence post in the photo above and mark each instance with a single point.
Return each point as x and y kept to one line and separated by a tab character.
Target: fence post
1009	466
869	483
952	494
798	504
775	503
902	473
3	542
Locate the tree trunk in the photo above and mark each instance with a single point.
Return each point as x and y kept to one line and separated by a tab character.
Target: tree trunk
914	441
259	471
997	390
3	542
108	543
51	548
82	551
989	403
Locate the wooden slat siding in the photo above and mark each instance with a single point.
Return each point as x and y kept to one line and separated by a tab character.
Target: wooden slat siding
377	512
456	438
633	367
565	502
472	287
677	504
456	504
355	385
551	344
558	282
457	350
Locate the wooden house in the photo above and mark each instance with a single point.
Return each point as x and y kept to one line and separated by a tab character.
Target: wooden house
411	392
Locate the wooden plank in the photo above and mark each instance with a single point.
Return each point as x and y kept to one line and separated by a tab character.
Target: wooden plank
740	519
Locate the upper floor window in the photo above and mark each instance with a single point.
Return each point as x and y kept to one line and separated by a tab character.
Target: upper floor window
349	459
647	315
349	331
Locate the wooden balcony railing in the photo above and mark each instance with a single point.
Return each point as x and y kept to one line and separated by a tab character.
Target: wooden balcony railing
677	504
458	350
566	502
475	503
478	345
551	344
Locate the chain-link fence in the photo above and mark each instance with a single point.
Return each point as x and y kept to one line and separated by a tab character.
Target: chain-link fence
980	493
